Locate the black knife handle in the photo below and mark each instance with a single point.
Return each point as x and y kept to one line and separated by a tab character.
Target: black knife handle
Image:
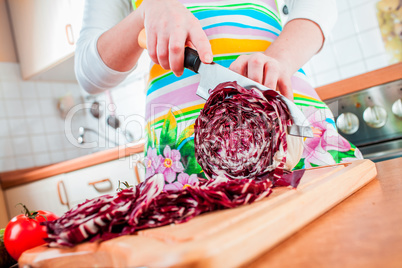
191	59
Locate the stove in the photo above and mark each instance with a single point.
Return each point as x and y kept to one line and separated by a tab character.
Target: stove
372	120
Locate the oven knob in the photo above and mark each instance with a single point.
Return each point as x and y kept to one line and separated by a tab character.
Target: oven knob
375	116
397	108
348	123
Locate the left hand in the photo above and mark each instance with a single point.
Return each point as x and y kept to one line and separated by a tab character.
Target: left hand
265	70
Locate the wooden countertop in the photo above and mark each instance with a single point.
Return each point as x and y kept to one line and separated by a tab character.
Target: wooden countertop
19	177
365	230
359	82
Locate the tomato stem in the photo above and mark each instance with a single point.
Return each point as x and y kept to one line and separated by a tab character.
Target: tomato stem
31	214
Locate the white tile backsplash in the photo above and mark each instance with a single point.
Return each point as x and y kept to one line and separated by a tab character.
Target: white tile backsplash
6	146
21	146
44	90
39	144
31	107
48	106
10	90
57	156
18	127
347	51
365	16
3	113
55	142
8	164
371	43
25	161
35	125
42	159
356	44
325	60
4	129
14	107
352	69
30	121
377	62
29	89
344	26
327	77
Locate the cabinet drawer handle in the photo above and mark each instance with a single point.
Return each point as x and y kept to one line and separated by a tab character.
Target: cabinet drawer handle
66	203
70	34
103	189
137	174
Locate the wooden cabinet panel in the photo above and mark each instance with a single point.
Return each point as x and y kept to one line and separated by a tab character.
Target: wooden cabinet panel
37	195
98	180
45	32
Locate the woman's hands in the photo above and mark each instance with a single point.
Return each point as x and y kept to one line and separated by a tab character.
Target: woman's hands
265	70
297	43
169	27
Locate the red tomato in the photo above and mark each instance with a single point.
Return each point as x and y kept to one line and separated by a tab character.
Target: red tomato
24	232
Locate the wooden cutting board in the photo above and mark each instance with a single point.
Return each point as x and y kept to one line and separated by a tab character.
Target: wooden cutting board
225	238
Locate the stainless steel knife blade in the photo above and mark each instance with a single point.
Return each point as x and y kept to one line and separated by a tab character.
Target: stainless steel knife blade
214	74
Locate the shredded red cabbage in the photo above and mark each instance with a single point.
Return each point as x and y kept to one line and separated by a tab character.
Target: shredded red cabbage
239	132
236	137
146	206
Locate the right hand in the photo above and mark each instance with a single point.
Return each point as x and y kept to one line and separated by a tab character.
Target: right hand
169	27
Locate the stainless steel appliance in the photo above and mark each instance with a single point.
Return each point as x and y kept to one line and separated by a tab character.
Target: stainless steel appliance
372	120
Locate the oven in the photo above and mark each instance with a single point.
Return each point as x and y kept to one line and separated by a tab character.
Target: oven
372	120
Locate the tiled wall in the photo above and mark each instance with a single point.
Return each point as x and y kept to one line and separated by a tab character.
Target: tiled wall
31	129
354	47
33	132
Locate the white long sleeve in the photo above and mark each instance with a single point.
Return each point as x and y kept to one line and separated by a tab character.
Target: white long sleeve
322	12
99	16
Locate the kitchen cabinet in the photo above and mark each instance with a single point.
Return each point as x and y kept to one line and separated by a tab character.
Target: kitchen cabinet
37	195
62	192
98	180
46	32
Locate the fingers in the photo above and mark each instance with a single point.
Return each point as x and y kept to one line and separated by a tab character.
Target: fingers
264	70
176	53
285	88
151	46
255	68
200	41
240	65
162	49
271	75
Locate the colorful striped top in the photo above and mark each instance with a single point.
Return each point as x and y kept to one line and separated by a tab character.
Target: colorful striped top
234	27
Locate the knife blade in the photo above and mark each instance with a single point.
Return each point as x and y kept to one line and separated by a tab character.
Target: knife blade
213	74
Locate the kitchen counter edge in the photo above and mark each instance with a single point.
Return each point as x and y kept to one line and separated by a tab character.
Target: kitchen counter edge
19	177
360	82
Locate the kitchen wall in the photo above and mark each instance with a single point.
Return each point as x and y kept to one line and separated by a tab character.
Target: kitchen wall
354	47
34	133
31	128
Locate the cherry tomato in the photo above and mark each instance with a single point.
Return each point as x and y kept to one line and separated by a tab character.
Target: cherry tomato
24	231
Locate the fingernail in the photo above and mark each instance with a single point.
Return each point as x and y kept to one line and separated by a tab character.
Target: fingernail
208	58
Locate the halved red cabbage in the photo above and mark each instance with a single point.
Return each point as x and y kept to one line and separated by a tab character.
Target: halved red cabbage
146	205
239	132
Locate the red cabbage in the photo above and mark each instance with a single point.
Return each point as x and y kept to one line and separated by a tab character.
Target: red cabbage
236	137
146	206
239	131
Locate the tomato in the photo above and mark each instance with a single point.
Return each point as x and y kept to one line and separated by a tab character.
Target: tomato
24	231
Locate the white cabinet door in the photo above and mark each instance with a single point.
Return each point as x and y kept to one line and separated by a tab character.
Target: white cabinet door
98	180
45	32
42	194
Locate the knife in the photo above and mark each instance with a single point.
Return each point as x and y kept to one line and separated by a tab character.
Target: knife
214	74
